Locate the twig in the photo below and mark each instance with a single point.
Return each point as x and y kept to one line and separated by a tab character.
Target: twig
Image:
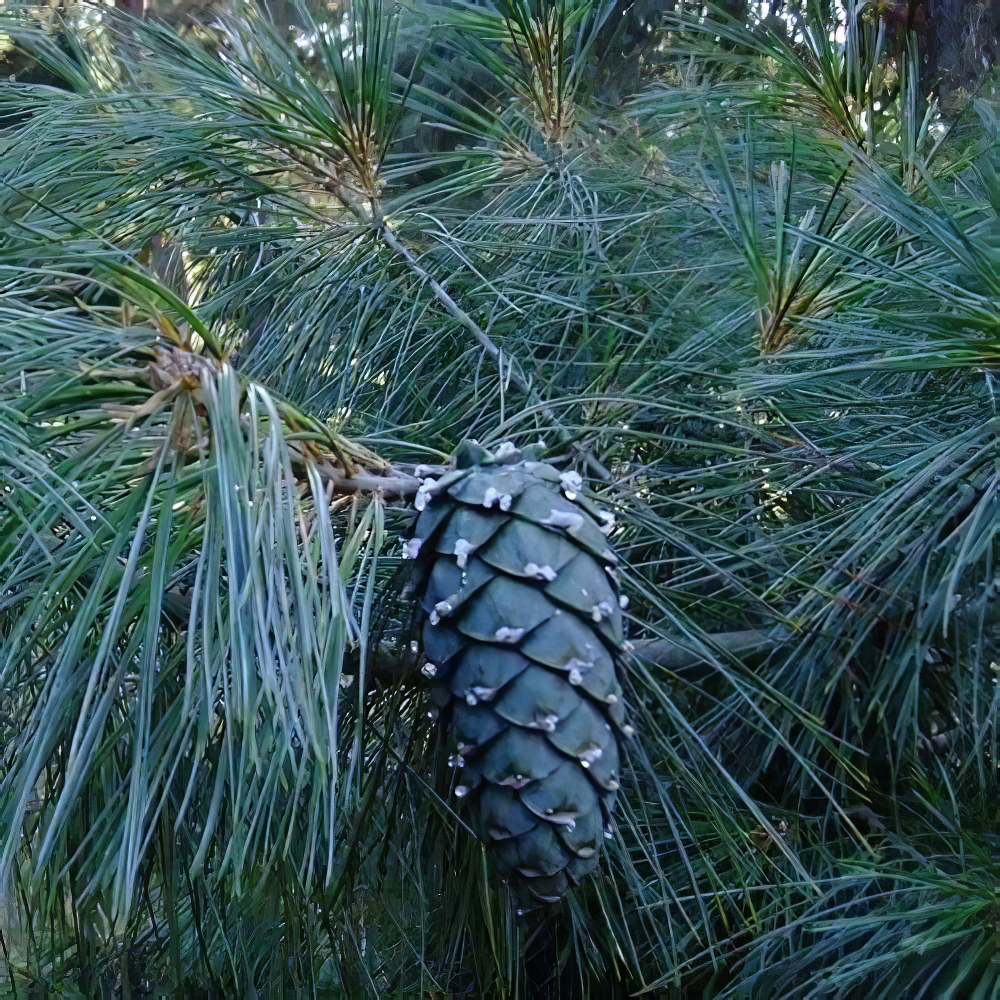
452	306
676	653
484	339
392	485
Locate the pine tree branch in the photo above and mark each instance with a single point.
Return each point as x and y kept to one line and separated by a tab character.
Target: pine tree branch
678	653
453	307
398	484
487	343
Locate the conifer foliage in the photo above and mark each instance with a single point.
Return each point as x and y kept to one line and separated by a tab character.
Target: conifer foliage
303	691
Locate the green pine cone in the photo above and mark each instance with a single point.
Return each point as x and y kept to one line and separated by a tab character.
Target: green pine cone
522	630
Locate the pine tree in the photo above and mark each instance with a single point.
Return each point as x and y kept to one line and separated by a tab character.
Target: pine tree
733	280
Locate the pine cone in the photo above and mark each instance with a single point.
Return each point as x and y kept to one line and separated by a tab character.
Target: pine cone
523	626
